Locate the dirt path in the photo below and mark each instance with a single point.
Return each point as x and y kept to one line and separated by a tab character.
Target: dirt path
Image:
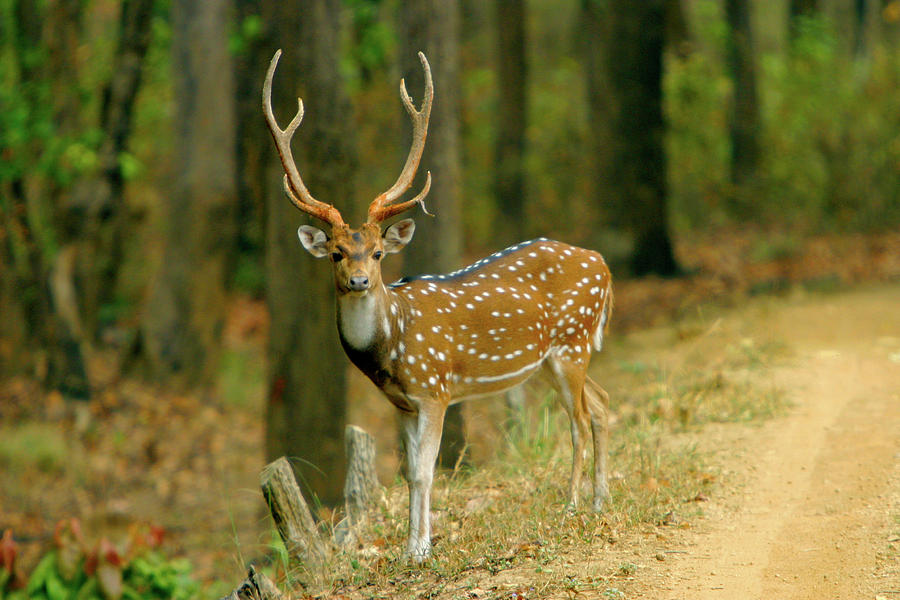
820	503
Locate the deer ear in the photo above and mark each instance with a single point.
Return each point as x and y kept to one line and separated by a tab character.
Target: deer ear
397	236
314	240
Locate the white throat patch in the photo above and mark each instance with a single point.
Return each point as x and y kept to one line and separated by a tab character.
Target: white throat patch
357	320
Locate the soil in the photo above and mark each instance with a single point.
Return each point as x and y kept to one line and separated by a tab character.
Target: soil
811	505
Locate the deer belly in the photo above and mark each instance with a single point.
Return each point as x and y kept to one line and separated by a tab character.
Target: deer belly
493	373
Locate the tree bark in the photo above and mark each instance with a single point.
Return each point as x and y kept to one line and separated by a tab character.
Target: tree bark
797	11
43	39
253	143
362	482
432	26
307	383
292	516
638	166
103	229
595	35
185	315
744	117
512	113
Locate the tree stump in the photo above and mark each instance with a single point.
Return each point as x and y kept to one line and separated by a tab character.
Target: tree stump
362	482
360	486
256	587
292	516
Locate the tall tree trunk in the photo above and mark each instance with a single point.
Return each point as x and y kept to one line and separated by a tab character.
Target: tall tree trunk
253	144
432	26
102	232
744	117
595	33
186	311
512	112
861	10
797	11
638	165
800	8
307	384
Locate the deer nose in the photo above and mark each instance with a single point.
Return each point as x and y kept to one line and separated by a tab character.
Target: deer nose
359	283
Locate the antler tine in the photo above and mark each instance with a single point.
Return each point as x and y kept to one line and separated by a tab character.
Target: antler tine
382	207
293	183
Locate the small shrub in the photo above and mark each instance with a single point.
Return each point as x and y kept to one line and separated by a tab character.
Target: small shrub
74	571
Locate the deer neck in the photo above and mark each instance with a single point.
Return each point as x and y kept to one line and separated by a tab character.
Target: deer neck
365	321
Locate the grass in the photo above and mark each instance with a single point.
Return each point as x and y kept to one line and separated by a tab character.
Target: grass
33	446
503	525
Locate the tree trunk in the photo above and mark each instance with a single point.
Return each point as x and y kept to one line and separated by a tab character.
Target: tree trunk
186	311
432	26
512	112
801	8
43	39
635	66
744	117
595	33
361	484
797	11
307	383
102	232
253	143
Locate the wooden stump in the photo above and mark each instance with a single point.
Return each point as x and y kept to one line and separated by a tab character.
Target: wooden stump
256	587
360	486
292	516
361	483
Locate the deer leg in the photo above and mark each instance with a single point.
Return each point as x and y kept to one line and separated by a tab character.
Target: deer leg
422	439
568	379
597	401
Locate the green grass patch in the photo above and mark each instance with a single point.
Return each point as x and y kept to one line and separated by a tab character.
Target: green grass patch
33	446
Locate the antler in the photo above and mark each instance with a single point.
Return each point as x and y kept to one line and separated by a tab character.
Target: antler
382	207
293	184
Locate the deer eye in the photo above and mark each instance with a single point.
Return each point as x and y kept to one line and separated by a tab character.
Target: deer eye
336	257
378	254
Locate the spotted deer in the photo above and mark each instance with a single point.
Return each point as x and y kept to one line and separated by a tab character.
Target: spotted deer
434	340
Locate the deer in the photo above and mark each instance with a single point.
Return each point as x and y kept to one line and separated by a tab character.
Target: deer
433	340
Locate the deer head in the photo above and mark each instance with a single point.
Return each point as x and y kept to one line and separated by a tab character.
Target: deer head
356	254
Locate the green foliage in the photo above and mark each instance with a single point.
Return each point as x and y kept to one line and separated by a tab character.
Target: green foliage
154	576
830	121
372	39
249	276
146	577
696	90
249	30
70	571
831	141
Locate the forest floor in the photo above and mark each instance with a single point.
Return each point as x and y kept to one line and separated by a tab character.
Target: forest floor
802	501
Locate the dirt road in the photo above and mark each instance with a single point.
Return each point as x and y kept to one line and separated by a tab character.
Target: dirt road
818	511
